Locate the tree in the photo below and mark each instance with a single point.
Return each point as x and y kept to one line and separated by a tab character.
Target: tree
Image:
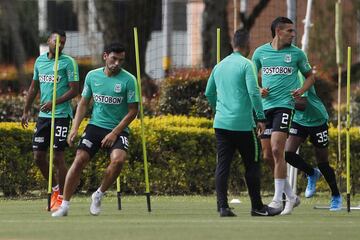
214	16
249	21
116	21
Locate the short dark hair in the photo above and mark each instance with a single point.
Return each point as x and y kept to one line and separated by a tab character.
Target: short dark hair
58	31
114	47
241	38
279	22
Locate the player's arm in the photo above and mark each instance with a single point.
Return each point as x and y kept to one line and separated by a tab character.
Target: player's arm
210	91
31	94
256	60
81	109
72	75
305	69
79	116
110	138
254	94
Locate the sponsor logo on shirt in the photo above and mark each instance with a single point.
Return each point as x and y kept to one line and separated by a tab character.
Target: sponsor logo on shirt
277	70
287	58
117	88
107	99
44	78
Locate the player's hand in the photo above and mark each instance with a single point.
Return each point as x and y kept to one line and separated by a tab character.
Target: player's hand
71	137
25	120
46	107
264	92
260	128
109	140
297	93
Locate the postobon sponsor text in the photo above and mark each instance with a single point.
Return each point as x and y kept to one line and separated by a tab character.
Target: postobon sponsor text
107	99
277	70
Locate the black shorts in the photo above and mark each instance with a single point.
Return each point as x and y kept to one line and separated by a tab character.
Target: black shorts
318	135
42	131
277	120
93	135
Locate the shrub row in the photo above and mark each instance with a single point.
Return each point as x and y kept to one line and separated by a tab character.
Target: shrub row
181	155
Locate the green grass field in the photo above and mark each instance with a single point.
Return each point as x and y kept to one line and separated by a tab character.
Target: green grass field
184	217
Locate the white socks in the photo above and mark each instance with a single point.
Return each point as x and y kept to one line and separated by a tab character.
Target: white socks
279	189
99	193
65	204
288	190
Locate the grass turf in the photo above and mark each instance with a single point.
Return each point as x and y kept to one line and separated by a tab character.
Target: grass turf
180	217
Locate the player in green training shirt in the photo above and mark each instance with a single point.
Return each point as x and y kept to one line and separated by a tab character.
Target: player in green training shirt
279	61
233	92
313	123
116	97
67	88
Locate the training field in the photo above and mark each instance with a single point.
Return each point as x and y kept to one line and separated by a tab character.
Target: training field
187	217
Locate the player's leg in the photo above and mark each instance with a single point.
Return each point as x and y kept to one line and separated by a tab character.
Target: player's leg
320	140
40	145
225	151
281	124
265	141
61	132
88	146
297	136
118	154
72	181
249	148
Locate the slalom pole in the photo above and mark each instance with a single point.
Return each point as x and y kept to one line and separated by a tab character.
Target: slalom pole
118	192
52	132
147	190
217	45
348	129
339	62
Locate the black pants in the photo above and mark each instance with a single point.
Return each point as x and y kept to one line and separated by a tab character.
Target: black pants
248	146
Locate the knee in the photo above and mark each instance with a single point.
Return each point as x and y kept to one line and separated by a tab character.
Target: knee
277	152
39	158
118	161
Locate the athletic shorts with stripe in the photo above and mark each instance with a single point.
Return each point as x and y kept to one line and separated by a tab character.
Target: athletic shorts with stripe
277	120
93	135
42	131
318	135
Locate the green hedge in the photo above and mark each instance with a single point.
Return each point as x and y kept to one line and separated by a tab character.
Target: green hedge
181	155
183	94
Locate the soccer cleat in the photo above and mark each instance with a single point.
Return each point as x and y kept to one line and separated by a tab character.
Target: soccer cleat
336	203
265	211
95	206
57	203
54	197
276	205
311	186
226	212
290	205
61	212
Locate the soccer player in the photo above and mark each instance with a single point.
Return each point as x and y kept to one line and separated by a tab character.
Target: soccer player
279	62
233	92
116	97
313	123
67	88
